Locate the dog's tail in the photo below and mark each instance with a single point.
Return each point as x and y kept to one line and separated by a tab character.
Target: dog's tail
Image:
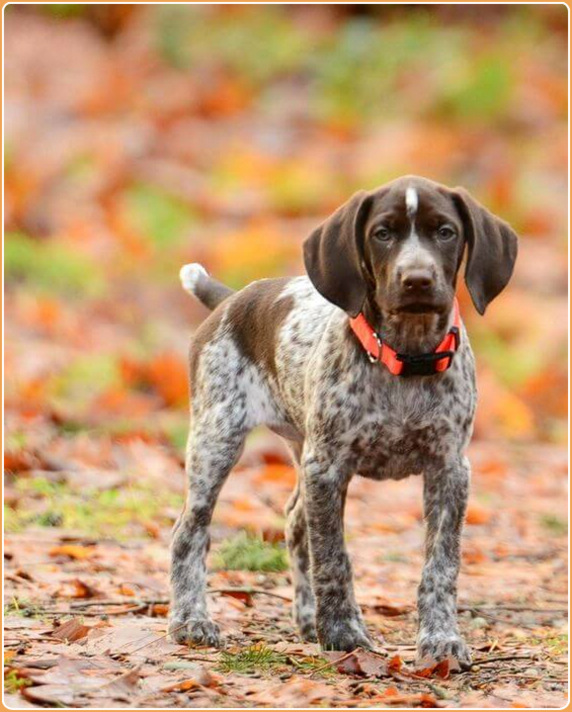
198	282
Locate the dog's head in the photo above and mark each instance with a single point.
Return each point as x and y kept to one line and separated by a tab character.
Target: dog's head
400	248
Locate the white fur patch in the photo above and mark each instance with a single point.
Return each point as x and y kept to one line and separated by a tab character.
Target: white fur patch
191	275
411	201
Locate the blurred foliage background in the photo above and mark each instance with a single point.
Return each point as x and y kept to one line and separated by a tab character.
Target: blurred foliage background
141	137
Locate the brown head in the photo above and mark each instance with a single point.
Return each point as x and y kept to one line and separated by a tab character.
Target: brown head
394	253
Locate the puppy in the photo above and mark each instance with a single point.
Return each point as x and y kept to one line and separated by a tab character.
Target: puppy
365	368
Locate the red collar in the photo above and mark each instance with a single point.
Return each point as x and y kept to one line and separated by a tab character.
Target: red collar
401	364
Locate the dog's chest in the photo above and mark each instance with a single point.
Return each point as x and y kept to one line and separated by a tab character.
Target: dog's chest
402	434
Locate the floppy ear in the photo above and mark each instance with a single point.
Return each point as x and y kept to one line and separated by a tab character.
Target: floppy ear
492	249
333	255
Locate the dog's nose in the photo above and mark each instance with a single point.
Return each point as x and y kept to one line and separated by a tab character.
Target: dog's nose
417	280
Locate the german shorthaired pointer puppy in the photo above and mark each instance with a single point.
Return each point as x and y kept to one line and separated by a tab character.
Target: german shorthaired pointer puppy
365	368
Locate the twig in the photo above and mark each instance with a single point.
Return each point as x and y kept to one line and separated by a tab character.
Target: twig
497	619
331	663
143	602
262	591
514	608
501	658
113	602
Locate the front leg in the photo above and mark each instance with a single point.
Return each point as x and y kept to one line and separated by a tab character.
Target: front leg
338	618
445	502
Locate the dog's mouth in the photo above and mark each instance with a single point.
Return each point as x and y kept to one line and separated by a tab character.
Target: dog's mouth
419	308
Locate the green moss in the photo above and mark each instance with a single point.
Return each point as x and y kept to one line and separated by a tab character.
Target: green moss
64	10
97	513
511	362
554	524
50	267
13	682
85	376
255	658
250	553
161	217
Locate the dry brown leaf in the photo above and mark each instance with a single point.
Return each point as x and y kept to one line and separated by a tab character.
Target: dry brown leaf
387	608
359	662
83	590
71	630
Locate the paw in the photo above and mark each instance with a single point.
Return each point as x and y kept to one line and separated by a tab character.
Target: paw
343	634
305	621
307	628
435	647
196	632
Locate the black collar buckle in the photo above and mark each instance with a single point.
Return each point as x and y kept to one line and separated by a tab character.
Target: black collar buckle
423	364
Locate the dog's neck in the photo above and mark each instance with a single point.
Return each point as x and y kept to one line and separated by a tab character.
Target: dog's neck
408	332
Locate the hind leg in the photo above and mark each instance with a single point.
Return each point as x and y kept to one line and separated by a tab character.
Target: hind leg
304	611
214	446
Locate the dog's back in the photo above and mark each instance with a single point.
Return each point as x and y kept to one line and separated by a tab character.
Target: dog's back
273	324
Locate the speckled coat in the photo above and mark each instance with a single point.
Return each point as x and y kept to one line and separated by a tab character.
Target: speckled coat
278	353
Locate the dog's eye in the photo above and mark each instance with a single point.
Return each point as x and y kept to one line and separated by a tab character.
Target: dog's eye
382	233
446	233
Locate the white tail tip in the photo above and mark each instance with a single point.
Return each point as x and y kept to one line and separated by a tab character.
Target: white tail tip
191	275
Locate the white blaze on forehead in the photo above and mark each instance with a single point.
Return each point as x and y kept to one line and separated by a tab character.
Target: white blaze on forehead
411	201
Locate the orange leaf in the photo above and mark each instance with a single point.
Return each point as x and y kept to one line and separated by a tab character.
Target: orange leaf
19	461
473	555
167	373
477	514
152	529
72	551
275	472
243	596
126	590
182	686
394	665
83	590
118	401
390	691
440	670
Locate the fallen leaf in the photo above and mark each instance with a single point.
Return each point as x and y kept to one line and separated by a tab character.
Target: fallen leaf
413	700
477	514
387	608
243	596
71	630
83	590
359	662
126	590
440	670
20	461
72	551
52	695
395	664
182	686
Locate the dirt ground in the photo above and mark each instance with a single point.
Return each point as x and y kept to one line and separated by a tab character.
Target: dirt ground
85	618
